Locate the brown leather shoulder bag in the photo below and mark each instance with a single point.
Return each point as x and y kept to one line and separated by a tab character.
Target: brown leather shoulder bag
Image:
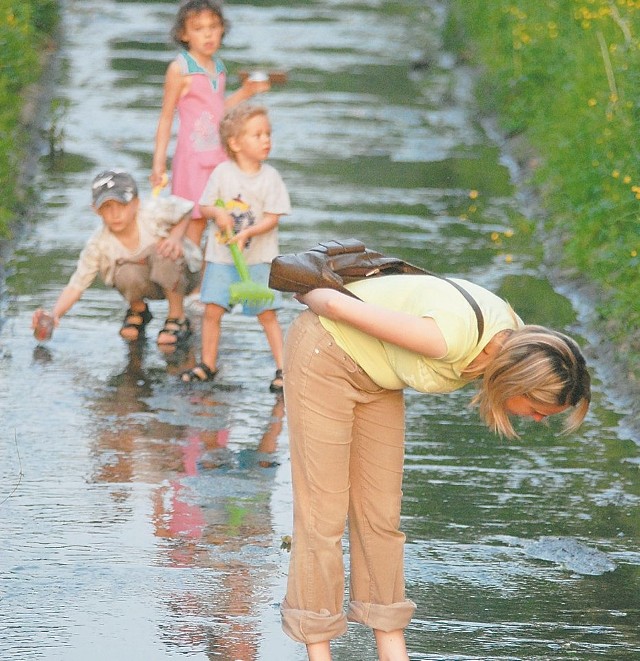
333	264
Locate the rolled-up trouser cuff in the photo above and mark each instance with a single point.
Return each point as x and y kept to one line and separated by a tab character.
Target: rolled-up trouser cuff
383	618
308	627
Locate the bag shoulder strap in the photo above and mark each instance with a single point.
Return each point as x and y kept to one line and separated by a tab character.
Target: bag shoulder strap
473	303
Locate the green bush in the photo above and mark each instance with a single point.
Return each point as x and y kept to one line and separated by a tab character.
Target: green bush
24	27
566	75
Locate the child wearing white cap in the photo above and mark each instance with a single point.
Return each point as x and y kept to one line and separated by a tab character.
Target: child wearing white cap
142	251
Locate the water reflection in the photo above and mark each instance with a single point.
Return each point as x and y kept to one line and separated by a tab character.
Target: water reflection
208	519
209	496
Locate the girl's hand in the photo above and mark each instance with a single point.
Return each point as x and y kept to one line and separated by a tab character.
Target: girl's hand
252	87
158	177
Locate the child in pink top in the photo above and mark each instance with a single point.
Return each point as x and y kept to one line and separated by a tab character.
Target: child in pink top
195	86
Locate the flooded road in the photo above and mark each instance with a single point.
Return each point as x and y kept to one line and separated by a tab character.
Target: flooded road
142	519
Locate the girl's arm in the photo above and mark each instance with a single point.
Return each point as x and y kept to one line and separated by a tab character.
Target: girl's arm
249	88
418	334
173	86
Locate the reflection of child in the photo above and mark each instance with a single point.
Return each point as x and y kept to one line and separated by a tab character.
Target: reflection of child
195	87
253	197
139	250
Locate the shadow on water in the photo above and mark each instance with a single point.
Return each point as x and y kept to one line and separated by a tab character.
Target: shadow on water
146	516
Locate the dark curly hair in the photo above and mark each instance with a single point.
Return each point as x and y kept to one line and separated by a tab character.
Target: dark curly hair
189	8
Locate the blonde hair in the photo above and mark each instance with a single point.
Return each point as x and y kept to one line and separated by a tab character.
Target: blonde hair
234	122
541	364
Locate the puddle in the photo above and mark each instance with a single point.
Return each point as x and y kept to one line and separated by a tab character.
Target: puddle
143	519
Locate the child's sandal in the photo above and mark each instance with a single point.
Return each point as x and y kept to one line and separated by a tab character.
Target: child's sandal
135	320
178	330
277	384
199	373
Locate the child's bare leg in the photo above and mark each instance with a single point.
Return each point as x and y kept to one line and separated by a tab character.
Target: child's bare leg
195	229
391	645
319	651
211	324
131	332
272	330
206	369
176	311
176	305
132	282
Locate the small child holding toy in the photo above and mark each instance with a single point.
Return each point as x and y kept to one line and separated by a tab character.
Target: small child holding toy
245	198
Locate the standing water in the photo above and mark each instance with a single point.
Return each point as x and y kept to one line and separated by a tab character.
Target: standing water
141	519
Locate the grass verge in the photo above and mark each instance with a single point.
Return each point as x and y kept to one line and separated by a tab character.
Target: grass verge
26	30
565	77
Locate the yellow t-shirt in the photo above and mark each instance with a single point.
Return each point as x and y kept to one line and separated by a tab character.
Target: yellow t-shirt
393	367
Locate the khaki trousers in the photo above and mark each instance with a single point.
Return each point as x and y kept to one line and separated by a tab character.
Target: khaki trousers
152	276
347	453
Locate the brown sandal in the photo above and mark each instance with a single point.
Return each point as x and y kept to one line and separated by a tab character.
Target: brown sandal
137	320
176	328
199	373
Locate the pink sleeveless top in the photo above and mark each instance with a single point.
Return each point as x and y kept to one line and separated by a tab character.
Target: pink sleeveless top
198	148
